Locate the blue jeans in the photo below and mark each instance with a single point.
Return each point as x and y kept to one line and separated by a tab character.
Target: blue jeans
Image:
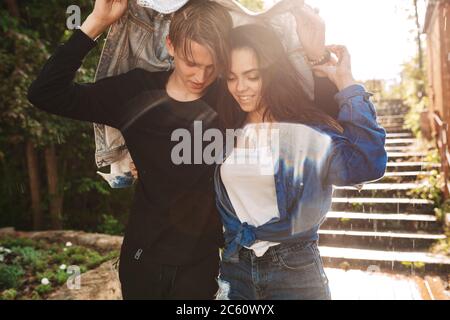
289	271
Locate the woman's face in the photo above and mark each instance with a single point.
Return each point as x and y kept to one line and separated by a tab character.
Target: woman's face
244	80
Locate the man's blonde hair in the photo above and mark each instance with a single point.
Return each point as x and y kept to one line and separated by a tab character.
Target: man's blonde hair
206	23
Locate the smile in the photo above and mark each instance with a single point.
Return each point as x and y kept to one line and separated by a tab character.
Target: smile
245	98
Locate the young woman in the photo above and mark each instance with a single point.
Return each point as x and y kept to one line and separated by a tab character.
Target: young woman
275	186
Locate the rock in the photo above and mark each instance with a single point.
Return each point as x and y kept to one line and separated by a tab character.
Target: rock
102	242
101	283
7	231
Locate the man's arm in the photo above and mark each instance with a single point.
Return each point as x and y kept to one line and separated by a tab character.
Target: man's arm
324	92
55	91
311	34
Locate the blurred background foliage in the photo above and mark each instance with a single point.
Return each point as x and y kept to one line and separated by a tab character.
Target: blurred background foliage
47	167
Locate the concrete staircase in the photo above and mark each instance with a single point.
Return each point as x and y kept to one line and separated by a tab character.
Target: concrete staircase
380	227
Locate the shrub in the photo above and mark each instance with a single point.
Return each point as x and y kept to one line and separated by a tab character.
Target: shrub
10	276
43	289
10	294
110	225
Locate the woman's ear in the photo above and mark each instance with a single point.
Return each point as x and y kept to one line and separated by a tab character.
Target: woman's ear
169	47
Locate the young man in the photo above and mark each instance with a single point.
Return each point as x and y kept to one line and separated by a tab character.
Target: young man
170	248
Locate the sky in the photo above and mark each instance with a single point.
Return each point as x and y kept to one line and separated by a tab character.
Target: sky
376	32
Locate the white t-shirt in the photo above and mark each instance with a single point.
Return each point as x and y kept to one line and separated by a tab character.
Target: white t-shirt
248	176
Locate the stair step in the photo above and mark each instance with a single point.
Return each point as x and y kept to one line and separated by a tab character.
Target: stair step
385	186
410	154
398	148
391	109
398	129
382	216
393	126
378	190
391	122
411	176
392	117
362	239
362	233
389	126
383	205
396	174
383	255
398	260
411	165
383	200
381	221
398	122
399	135
383	113
401	141
399	116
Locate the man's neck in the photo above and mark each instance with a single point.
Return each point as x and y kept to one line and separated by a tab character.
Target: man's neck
176	89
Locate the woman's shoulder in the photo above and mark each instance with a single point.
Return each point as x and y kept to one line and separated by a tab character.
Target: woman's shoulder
289	130
294	138
299	131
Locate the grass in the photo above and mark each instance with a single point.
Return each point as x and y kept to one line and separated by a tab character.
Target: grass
24	263
442	246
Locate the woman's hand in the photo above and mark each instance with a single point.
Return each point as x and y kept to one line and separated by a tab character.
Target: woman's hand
310	31
339	71
105	13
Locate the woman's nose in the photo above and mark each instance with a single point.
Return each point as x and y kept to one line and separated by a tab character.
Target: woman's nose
241	86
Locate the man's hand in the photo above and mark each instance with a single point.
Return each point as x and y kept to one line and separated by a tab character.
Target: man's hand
133	170
310	31
338	71
105	13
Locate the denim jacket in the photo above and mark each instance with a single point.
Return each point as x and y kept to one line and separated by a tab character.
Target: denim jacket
137	40
311	159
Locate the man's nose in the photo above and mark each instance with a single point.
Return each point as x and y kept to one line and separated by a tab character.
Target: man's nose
200	76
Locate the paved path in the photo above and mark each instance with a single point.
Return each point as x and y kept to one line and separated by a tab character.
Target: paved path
363	285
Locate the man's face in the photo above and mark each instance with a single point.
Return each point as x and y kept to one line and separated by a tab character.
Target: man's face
196	72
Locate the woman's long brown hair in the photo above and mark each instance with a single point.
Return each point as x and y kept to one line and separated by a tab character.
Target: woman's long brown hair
282	91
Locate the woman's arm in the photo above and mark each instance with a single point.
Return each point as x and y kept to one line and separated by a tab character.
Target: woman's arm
54	89
358	154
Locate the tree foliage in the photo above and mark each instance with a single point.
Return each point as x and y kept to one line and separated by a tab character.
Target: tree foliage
29	35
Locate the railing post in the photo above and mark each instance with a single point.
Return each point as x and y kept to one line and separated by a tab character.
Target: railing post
444	160
441	130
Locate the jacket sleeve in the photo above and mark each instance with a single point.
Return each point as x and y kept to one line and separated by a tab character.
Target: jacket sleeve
55	91
357	155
